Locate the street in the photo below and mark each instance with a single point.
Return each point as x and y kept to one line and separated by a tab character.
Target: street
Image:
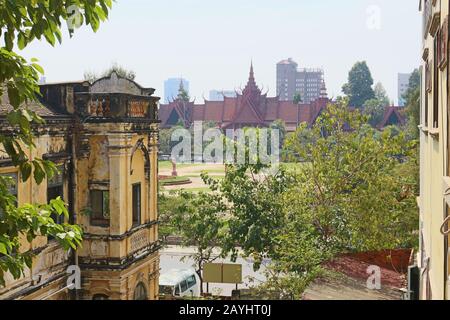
177	257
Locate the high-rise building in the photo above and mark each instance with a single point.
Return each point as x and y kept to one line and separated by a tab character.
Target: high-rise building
218	95
292	81
172	86
431	279
403	85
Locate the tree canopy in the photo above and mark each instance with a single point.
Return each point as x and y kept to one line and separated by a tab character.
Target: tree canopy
359	86
22	22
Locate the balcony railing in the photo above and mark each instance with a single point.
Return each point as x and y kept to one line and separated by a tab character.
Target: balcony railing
116	105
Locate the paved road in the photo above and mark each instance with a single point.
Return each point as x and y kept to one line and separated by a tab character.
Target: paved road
172	258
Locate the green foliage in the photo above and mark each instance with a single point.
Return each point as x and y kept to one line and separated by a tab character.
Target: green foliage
254	211
167	206
279	125
359	86
352	192
165	139
22	22
381	94
374	109
412	98
31	221
199	219
183	95
298	98
355	191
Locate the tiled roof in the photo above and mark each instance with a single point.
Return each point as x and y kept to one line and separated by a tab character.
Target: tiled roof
38	108
251	107
392	113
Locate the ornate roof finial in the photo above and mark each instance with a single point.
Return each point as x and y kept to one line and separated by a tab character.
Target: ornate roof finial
181	88
251	84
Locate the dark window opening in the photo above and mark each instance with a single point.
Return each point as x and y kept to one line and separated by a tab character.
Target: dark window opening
436	83
100	208
191	281
100	297
184	286
140	293
136	204
55	189
427	82
11	181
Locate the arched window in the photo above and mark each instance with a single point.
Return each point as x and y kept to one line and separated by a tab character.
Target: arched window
100	297
140	293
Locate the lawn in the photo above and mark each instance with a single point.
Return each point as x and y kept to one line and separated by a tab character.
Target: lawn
168	165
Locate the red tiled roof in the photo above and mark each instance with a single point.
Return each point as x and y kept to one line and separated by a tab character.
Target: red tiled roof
251	107
390	112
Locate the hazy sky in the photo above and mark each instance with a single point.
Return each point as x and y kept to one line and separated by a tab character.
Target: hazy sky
212	42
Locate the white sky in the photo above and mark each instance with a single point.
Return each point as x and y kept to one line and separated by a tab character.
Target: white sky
211	42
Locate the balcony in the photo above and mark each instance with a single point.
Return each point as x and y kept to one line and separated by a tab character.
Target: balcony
431	17
116	107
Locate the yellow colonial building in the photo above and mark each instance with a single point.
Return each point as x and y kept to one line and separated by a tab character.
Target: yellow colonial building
104	139
433	258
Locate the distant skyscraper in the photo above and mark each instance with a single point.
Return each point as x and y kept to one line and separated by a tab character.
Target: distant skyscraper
172	86
403	85
291	81
218	95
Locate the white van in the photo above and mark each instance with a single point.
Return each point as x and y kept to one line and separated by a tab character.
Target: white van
179	283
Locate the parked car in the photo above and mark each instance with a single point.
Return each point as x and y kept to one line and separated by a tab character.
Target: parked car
179	283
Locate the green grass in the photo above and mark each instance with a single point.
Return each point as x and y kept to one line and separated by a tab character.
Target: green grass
168	165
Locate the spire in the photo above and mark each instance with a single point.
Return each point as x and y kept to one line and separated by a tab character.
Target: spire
251	84
181	88
252	74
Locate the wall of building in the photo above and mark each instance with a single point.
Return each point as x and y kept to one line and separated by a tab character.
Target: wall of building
434	170
48	273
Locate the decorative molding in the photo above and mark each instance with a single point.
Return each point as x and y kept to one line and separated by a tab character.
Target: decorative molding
88	236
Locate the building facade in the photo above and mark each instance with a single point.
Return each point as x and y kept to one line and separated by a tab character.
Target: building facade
253	108
433	258
291	81
250	108
172	87
402	86
104	138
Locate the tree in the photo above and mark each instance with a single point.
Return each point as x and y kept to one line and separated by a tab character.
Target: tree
279	125
165	139
297	98
115	67
199	219
356	192
22	22
359	86
253	208
381	94
412	98
374	109
353	193
183	95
